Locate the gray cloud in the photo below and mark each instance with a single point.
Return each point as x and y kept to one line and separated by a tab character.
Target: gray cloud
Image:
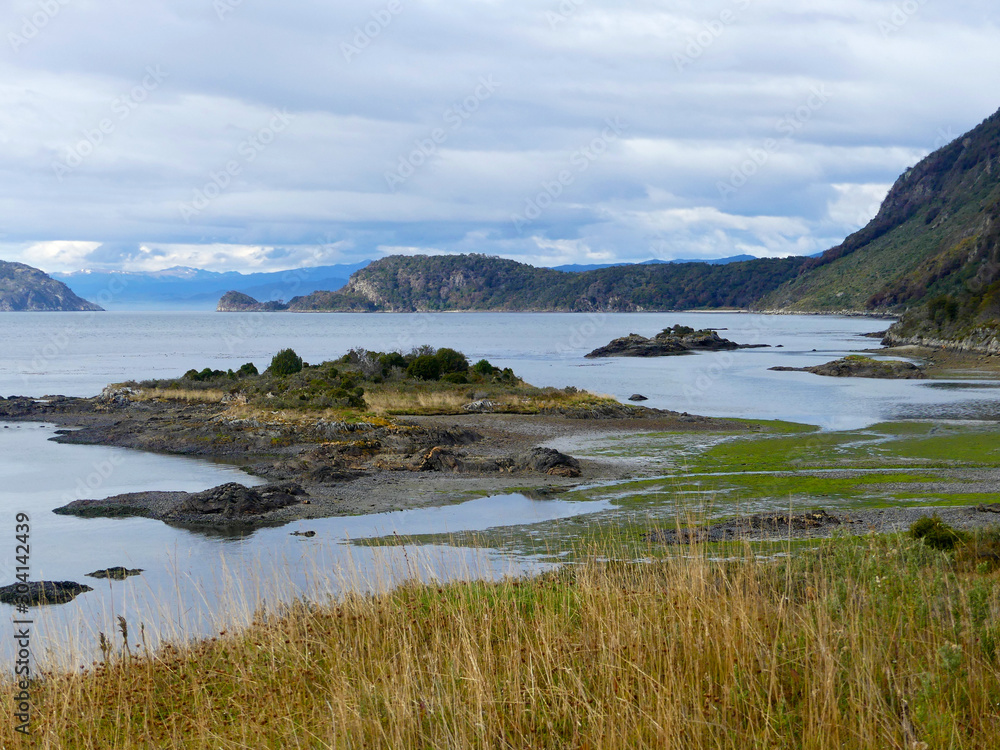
152	134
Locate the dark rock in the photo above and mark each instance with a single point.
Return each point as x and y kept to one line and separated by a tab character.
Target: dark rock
37	593
548	461
233	500
308	534
541	460
856	366
991	508
225	505
670	341
637	397
117	573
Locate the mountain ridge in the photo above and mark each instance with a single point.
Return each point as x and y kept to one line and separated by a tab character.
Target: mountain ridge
24	288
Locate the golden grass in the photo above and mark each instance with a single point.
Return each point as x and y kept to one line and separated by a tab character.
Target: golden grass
878	643
188	395
452	400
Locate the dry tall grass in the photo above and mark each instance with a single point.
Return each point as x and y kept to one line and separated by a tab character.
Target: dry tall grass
188	395
880	643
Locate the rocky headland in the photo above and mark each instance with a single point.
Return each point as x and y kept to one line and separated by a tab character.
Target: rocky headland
315	467
27	289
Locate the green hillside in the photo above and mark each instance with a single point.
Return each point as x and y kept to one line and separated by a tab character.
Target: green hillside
925	241
480	282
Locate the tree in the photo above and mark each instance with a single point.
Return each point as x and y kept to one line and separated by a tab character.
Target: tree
285	362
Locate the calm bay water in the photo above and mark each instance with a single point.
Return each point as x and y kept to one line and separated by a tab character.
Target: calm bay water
191	576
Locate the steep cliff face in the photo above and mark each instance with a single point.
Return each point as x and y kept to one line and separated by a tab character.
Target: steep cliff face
27	289
924	241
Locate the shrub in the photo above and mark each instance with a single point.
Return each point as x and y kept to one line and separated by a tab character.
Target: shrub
207	374
451	360
455	377
247	370
424	367
936	533
285	362
484	368
392	359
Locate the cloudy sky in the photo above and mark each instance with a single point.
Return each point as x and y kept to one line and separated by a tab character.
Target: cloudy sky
251	135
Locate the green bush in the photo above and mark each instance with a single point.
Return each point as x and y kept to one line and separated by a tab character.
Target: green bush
207	374
936	533
424	367
451	360
455	377
392	359
484	368
247	370
285	362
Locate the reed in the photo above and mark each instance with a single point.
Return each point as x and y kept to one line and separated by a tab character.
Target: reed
880	642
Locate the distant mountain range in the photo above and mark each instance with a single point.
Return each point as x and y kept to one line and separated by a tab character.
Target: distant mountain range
576	267
26	289
195	289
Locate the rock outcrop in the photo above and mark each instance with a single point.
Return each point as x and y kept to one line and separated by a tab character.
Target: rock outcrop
670	341
115	573
856	366
540	460
37	593
229	504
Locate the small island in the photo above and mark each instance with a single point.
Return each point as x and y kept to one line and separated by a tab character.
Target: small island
669	342
859	366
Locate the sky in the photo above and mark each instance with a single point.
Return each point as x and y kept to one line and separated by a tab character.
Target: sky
260	136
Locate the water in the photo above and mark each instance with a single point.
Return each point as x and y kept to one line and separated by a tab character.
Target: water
190	577
77	354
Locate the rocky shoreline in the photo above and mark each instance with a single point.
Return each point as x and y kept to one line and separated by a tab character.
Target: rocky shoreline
316	468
